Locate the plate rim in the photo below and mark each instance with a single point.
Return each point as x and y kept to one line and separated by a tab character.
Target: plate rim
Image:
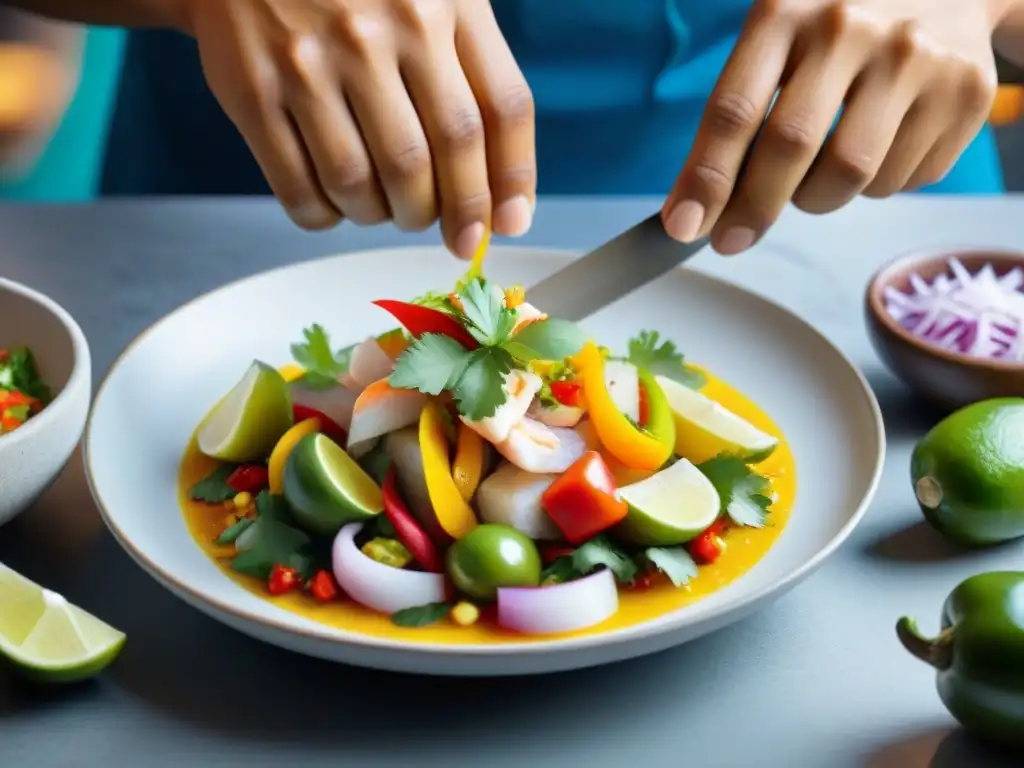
672	621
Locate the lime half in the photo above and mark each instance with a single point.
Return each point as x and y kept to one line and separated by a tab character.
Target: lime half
705	429
47	638
326	488
251	418
670	507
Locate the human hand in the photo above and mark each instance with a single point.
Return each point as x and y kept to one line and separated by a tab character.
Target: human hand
376	110
914	78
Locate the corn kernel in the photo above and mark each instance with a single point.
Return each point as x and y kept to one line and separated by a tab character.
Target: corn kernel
230	520
465	614
243	500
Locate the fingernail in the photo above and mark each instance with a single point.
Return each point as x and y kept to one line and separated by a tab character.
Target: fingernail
736	239
513	217
684	220
468	239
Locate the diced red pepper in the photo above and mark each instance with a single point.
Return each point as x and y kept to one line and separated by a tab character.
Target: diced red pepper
9	423
323	587
706	548
328	426
551	552
568	393
407	528
250	478
643	410
419	320
583	501
283	579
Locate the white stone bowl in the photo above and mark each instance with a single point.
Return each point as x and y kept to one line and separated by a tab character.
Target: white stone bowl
32	456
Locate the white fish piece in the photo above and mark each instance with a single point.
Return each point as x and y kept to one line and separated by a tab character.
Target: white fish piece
559	415
537	448
336	402
512	497
623	383
520	389
369	363
526	313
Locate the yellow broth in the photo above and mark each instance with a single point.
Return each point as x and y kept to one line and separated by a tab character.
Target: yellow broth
744	548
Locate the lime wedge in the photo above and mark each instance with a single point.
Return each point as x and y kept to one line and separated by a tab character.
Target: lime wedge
326	488
47	638
705	429
251	418
670	507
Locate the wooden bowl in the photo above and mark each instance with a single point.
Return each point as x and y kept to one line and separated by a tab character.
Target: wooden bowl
948	379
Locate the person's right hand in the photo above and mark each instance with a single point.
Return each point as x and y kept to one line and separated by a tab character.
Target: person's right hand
376	110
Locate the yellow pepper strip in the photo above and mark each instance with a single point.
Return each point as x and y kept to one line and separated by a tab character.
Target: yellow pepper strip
468	466
621	439
453	513
283	449
393	343
476	267
290	371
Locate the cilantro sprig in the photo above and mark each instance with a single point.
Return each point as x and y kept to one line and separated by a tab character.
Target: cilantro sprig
435	363
273	540
214	488
19	371
663	359
744	493
323	365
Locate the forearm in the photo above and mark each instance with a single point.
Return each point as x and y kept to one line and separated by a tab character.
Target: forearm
114	13
1008	35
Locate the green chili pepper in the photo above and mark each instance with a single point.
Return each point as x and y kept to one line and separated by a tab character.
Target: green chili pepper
979	655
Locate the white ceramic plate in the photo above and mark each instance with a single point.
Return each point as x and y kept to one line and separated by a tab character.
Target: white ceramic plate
166	380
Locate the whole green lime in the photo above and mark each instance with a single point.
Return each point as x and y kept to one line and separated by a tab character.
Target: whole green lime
492	556
968	473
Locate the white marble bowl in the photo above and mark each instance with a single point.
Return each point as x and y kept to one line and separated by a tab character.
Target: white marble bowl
33	455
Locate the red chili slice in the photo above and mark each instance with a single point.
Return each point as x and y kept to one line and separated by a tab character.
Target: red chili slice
407	528
328	426
419	320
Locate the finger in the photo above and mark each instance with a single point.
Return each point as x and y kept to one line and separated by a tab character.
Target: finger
854	153
455	133
398	145
733	116
921	128
339	156
793	135
506	105
970	111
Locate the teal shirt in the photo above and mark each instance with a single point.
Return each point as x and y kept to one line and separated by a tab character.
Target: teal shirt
620	86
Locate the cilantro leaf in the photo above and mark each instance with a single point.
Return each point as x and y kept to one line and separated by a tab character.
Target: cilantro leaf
434	300
602	551
430	365
214	488
232	532
323	366
479	389
674	562
745	494
487	318
421	615
663	359
273	541
558	572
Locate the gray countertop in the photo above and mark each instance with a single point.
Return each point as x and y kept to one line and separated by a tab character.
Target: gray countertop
817	679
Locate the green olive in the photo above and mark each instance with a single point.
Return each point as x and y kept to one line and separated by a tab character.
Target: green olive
493	556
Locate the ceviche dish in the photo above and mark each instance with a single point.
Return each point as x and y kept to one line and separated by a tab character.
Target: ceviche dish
23	393
484	473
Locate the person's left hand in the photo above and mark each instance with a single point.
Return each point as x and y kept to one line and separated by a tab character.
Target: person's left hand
914	79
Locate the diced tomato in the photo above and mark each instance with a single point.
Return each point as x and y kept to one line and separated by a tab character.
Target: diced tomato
419	320
583	501
249	478
323	587
551	552
328	426
407	528
706	548
568	393
283	579
644	408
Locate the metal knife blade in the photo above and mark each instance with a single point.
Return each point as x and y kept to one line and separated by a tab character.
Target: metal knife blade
620	266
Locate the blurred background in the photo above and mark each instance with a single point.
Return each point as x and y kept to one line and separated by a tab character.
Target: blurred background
58	84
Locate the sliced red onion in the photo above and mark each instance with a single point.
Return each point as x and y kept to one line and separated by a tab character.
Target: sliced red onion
560	608
980	315
378	586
